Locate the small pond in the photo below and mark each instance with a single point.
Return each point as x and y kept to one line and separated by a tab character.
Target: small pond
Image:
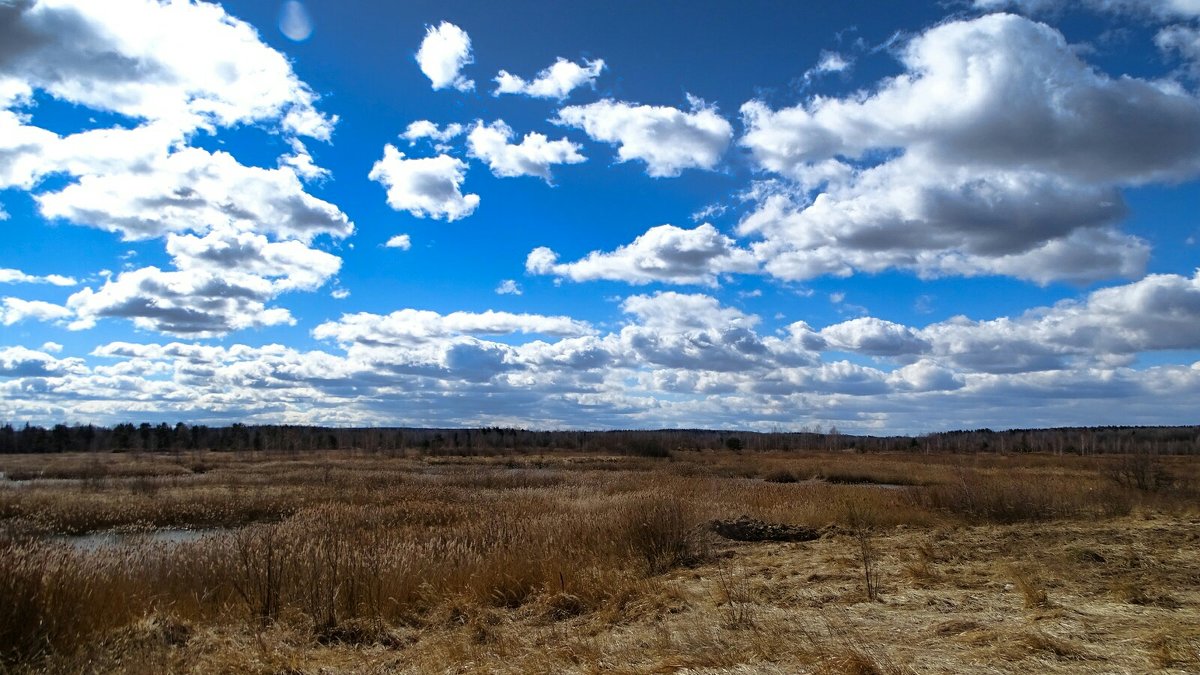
93	541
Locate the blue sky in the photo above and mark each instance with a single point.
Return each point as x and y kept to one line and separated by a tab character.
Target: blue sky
626	215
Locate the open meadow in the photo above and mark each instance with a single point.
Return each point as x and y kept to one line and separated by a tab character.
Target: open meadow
547	562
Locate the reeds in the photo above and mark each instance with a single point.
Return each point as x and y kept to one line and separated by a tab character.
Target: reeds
362	548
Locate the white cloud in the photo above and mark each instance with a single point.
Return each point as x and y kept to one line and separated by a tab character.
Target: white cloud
1159	312
412	326
1157	8
667	139
238	235
999	92
1003	153
339	294
694	332
876	337
924	376
441	136
400	241
1184	41
664	253
301	162
1107	327
202	302
427	187
13	310
681	311
508	287
23	362
443	53
221	282
12	276
557	81
680	360
289	265
139	58
831	62
533	156
197	190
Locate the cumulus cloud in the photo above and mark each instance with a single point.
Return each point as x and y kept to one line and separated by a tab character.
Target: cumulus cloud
289	265
508	287
694	332
23	362
671	310
196	190
1183	41
533	156
667	139
238	235
665	253
1106	328
868	335
926	375
400	241
14	310
222	282
1159	312
411	326
424	129
1156	8
1002	152
12	276
557	81
444	52
426	187
1000	92
198	303
138	58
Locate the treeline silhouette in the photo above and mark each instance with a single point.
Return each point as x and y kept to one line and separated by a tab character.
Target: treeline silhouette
290	438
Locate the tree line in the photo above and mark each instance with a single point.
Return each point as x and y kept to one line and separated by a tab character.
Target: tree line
182	437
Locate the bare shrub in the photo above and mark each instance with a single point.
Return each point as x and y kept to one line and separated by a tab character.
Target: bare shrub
258	572
861	526
662	532
1142	470
736	598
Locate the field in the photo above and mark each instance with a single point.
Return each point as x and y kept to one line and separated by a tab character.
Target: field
548	562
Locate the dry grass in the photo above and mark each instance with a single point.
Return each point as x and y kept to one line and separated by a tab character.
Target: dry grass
577	563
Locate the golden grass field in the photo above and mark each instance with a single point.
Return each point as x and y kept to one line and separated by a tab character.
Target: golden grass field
345	562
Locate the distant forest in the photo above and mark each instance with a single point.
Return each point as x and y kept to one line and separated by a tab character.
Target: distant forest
488	441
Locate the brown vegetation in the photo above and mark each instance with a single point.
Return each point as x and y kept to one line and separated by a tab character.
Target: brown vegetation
570	562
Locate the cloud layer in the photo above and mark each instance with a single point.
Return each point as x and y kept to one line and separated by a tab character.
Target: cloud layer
677	360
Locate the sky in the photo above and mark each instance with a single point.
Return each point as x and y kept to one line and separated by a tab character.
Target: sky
884	217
